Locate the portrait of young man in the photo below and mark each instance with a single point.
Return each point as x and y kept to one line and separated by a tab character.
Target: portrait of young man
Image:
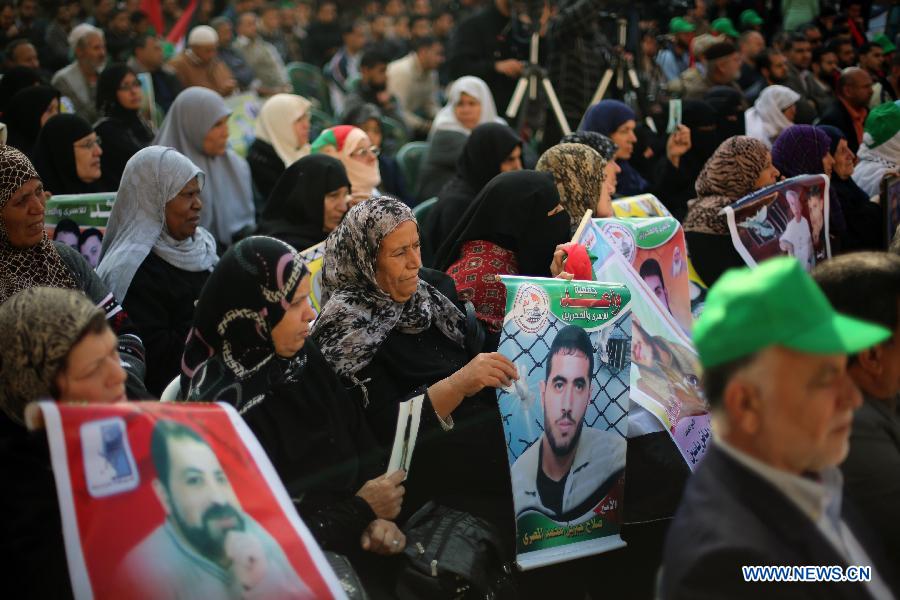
571	466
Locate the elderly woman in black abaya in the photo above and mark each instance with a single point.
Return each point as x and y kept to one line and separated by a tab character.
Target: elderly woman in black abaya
121	127
308	202
249	347
392	330
29	259
493	148
67	155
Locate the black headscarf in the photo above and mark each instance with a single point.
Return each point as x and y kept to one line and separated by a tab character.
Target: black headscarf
15	80
729	106
484	152
229	354
702	120
108	101
23	116
511	211
54	155
295	211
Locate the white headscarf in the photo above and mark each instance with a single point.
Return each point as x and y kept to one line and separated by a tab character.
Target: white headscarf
228	196
875	162
765	119
275	125
472	86
152	177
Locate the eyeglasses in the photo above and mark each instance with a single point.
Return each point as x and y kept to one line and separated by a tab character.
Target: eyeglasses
373	150
89	145
127	87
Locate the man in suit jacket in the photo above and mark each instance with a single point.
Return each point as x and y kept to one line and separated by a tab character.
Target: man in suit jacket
854	90
768	492
872	469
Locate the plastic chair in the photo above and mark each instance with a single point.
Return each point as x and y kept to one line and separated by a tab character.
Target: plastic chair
319	121
394	136
308	81
410	159
421	210
170	394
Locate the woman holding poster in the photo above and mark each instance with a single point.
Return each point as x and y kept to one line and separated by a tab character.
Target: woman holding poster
249	348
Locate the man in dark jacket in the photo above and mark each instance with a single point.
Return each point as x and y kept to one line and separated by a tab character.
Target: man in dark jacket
768	492
872	469
854	90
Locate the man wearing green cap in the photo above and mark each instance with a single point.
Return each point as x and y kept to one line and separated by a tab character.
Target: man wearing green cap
677	57
879	153
724	26
768	491
750	19
872	469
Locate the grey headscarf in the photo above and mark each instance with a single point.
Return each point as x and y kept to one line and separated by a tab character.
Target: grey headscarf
40	325
136	226
228	196
359	315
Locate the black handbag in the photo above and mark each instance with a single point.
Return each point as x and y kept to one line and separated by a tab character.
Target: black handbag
453	555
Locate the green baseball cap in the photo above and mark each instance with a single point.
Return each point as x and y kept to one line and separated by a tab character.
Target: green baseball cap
775	304
885	43
680	25
883	123
724	25
750	18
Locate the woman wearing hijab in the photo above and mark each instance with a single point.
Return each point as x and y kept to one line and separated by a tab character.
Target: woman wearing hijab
355	150
282	138
607	150
805	150
617	121
865	221
197	126
249	347
368	118
879	153
517	220
772	113
156	256
493	148
29	259
739	166
728	104
579	173
469	104
391	330
121	126
308	202
15	80
67	155
56	344
26	113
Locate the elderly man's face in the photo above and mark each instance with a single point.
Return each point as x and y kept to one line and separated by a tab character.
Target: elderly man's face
92	51
565	396
793	409
204	52
198	497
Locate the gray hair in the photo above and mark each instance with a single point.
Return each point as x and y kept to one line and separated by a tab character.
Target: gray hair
80	33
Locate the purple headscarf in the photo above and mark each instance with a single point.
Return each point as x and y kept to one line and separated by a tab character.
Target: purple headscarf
799	150
605	117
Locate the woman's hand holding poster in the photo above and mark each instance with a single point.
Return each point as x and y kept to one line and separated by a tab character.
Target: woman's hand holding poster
164	501
665	371
565	418
789	218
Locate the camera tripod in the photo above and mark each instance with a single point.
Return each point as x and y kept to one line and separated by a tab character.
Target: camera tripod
533	78
619	66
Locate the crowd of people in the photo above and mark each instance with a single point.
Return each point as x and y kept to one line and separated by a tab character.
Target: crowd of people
200	288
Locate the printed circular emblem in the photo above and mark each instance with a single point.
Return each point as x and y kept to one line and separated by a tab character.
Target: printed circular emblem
530	308
622	239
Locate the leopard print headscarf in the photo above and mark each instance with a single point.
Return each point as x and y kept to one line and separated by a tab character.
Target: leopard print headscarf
22	268
578	171
40	325
729	175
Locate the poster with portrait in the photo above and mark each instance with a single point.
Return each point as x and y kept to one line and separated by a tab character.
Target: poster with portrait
890	205
79	221
655	247
242	123
644	205
175	501
665	388
789	218
566	418
314	258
